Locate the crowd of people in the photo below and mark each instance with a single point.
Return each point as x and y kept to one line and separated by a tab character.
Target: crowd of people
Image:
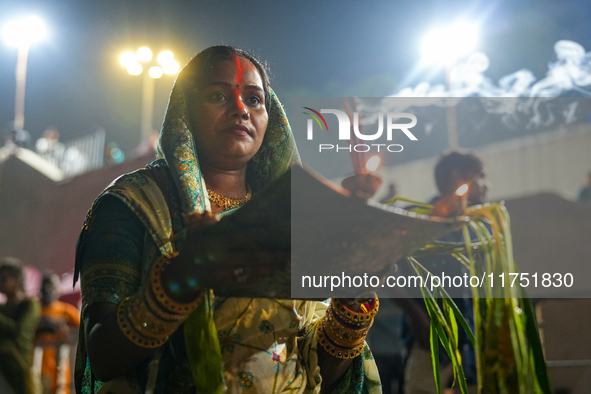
34	332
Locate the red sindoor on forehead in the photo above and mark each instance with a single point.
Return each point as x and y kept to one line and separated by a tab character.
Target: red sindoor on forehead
239	72
239	69
242	64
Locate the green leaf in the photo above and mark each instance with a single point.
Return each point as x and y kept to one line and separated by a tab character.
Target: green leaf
508	348
435	356
533	336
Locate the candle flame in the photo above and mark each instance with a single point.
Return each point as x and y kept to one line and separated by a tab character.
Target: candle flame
373	163
462	189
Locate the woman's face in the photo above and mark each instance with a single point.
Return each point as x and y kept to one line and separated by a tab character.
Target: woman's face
228	115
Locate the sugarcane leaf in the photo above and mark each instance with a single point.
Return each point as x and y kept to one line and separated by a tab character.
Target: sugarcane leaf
433	338
461	378
533	336
451	321
447	300
444	332
504	320
440	328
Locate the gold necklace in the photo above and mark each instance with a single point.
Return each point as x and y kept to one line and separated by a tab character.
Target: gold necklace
228	202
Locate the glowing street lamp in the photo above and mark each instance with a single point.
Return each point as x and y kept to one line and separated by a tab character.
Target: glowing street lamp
446	46
144	54
155	72
21	34
132	62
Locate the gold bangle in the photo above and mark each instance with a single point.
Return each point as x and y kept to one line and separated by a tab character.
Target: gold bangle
157	309
343	321
342	331
145	321
132	334
339	341
168	303
332	348
341	335
355	318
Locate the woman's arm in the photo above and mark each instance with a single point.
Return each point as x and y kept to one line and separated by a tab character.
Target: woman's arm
111	266
333	368
110	353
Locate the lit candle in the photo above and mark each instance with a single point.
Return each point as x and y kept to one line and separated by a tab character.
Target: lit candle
462	190
452	204
373	163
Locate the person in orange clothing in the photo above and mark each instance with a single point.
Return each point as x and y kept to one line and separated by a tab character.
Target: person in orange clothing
53	333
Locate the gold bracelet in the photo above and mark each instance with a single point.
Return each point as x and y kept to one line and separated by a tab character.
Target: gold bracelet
157	309
168	303
342	335
339	341
332	348
145	321
132	334
355	318
345	322
342	331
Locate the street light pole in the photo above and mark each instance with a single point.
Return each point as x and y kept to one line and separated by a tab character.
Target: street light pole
148	85
168	65
21	81
21	34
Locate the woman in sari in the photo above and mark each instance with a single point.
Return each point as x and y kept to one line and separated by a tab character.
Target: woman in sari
150	325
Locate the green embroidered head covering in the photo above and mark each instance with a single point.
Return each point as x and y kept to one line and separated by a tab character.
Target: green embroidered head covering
177	146
176	143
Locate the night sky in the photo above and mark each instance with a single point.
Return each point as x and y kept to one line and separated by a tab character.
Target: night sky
313	48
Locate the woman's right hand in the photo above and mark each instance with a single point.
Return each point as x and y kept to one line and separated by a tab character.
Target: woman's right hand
362	185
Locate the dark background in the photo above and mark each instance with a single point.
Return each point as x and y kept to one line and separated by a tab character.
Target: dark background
319	49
